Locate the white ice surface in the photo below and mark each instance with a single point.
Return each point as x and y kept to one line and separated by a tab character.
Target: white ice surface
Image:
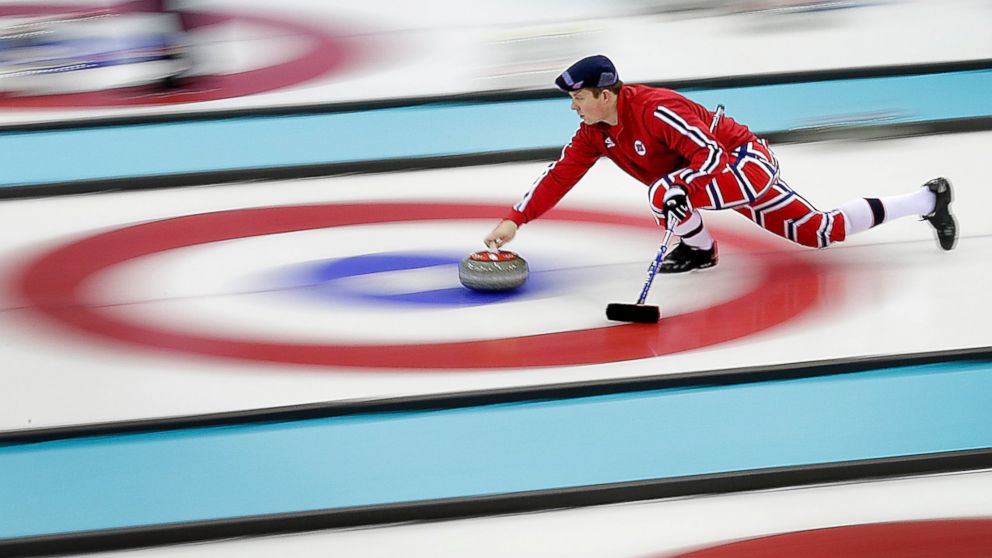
415	49
895	291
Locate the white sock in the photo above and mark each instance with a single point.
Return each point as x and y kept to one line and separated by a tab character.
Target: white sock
921	202
694	224
857	216
863	214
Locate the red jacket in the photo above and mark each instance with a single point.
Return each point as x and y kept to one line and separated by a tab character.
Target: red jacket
660	134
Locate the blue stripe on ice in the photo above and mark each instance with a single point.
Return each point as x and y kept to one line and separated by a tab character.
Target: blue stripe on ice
452	129
211	473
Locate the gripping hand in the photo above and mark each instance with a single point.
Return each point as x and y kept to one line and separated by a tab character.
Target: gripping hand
500	235
677	203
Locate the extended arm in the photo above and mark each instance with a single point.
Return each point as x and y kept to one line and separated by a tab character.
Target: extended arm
549	188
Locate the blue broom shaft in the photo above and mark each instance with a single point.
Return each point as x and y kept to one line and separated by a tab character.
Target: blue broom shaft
653	270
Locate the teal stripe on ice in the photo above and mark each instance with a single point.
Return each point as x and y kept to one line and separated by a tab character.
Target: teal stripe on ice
199	474
261	142
889	100
452	129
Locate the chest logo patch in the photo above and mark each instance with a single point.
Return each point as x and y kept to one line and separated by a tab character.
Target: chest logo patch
639	147
609	142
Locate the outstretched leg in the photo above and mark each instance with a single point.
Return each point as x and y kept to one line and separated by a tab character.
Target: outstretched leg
782	211
785	213
931	202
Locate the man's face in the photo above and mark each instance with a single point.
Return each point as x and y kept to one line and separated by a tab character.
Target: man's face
592	108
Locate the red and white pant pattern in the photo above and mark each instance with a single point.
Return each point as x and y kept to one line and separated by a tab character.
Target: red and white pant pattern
751	186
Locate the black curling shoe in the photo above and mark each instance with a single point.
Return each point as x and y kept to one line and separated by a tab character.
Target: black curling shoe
687	258
941	218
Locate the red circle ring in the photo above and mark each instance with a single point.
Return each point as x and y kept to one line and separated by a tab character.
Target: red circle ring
327	53
947	538
52	285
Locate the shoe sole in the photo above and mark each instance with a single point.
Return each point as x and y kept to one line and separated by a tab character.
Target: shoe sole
695	269
950	216
954	240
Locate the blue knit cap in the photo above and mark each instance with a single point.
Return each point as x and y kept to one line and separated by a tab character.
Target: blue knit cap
593	71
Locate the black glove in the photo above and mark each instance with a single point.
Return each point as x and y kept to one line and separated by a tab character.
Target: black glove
677	204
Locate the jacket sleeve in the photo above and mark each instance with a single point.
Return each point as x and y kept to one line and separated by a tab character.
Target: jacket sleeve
684	131
576	159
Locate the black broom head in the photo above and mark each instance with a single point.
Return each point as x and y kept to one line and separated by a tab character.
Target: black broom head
637	313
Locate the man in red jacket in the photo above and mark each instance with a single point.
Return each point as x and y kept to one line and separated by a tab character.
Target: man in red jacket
665	141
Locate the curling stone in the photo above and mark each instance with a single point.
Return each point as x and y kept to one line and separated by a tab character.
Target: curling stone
492	271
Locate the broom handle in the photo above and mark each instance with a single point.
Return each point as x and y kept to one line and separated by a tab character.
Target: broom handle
717	117
653	270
